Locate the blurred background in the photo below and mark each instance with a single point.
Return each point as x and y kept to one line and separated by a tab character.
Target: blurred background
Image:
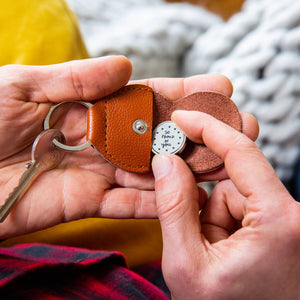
256	43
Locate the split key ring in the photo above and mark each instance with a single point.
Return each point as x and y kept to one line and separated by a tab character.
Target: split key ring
55	141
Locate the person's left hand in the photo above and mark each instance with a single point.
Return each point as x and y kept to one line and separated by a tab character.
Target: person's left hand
84	184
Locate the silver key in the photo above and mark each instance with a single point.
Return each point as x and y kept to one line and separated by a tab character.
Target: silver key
44	156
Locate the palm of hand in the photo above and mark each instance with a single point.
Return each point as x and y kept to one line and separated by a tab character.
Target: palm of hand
81	186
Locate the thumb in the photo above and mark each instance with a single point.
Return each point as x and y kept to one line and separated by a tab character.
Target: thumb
177	199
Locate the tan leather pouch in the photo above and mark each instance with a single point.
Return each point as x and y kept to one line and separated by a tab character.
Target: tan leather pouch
110	124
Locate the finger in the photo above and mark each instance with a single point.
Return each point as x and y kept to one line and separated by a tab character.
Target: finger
87	79
102	200
202	197
222	212
175	88
177	199
71	202
250	126
216	175
132	180
250	129
245	164
128	203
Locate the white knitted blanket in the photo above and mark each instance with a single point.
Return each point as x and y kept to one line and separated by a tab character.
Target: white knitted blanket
258	49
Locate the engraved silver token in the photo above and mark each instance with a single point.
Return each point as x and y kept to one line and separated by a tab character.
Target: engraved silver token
167	138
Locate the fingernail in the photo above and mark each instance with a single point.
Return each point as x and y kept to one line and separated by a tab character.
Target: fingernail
161	166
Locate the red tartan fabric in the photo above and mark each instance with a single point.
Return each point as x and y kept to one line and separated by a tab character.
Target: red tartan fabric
36	271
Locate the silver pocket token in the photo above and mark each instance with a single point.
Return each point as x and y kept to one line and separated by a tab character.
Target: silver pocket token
168	138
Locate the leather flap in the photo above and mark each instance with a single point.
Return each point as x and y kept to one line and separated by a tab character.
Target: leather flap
110	127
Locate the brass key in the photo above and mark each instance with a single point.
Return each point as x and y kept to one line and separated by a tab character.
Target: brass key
44	156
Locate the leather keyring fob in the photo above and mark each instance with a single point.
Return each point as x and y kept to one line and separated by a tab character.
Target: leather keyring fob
111	121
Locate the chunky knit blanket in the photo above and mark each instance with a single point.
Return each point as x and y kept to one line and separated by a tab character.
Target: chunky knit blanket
258	49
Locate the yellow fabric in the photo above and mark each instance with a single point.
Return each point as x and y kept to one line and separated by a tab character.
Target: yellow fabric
40	32
139	240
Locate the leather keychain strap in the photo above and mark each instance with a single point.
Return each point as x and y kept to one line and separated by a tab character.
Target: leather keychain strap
110	127
199	158
111	121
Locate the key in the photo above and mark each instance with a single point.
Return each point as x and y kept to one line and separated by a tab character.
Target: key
44	156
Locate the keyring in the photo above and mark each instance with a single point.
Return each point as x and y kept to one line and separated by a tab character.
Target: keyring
55	141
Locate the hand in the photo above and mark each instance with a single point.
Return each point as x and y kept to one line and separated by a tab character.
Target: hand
246	243
84	184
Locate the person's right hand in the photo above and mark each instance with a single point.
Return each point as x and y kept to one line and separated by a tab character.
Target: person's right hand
84	184
246	243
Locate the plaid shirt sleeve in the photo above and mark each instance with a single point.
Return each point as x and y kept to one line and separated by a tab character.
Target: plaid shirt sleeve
37	271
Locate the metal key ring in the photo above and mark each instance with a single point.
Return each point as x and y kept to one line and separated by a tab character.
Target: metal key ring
55	141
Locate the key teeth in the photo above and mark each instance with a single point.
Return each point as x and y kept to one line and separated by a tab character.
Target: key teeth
21	180
3	211
13	192
34	168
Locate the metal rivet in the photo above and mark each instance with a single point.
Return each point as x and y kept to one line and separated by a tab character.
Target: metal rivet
140	126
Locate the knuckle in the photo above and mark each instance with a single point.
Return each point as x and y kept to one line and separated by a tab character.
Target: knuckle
243	142
169	203
10	75
77	83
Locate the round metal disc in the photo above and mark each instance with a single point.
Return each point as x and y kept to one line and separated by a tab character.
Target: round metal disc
168	138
